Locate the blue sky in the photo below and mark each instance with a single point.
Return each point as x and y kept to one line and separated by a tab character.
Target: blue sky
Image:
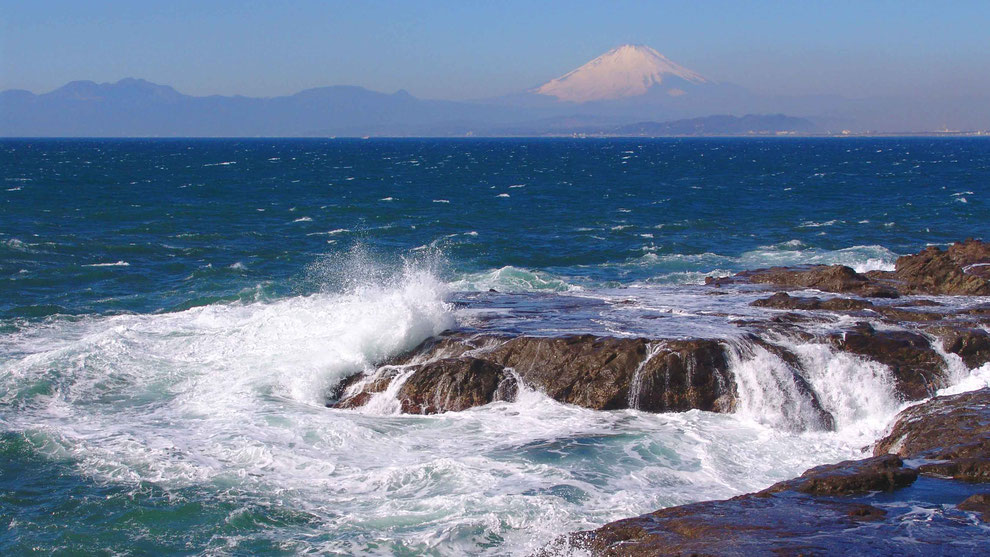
464	49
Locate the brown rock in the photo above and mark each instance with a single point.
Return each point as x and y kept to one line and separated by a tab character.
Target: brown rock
685	375
783	300
933	271
589	371
899	315
964	469
964	269
866	512
457	372
972	345
357	390
455	384
970	252
451	345
880	473
822	511
978	502
944	428
600	372
918	370
784	520
827	278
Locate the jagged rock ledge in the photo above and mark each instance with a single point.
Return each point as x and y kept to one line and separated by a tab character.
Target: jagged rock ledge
457	371
961	270
940	462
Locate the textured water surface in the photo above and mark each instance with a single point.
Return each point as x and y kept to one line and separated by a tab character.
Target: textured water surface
173	314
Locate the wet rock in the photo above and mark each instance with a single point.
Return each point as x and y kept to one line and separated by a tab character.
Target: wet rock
606	373
963	469
902	315
589	371
685	375
827	278
357	390
448	345
963	269
933	271
970	344
899	313
978	502
823	418
969	253
823	511
456	372
880	473
980	315
865	512
454	384
944	428
917	368
806	516
783	300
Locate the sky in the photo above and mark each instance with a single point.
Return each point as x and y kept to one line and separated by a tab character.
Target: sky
469	50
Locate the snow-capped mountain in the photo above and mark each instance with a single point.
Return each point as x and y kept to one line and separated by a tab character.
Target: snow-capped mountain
625	71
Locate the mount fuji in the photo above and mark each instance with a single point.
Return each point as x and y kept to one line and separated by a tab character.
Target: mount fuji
625	71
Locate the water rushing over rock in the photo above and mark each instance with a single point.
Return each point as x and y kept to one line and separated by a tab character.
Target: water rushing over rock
763	368
853	506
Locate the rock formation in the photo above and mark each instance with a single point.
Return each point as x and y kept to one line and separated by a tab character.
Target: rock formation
824	510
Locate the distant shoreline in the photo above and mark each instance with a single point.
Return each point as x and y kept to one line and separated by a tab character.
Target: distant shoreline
754	135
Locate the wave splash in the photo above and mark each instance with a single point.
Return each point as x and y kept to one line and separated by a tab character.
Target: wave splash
160	396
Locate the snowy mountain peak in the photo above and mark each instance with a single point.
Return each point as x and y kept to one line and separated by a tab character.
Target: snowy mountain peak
625	71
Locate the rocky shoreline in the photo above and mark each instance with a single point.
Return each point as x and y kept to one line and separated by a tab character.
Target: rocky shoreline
881	318
458	370
937	457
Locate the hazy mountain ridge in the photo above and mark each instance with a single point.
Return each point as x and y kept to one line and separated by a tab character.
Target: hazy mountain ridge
123	109
627	86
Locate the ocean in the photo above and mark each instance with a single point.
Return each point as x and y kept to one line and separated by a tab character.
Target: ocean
174	315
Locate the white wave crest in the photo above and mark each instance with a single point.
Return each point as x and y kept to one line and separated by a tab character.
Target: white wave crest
511	279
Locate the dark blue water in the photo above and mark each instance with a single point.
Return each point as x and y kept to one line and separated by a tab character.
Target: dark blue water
173	313
202	220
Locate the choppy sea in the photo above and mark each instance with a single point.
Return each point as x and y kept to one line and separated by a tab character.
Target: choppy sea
174	313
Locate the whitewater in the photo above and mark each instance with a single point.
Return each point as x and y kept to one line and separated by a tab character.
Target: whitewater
166	362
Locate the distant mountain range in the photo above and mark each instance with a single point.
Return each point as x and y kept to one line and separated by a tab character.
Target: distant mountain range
630	90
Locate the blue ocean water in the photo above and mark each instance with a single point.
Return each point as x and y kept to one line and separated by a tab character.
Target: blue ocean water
207	220
173	313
